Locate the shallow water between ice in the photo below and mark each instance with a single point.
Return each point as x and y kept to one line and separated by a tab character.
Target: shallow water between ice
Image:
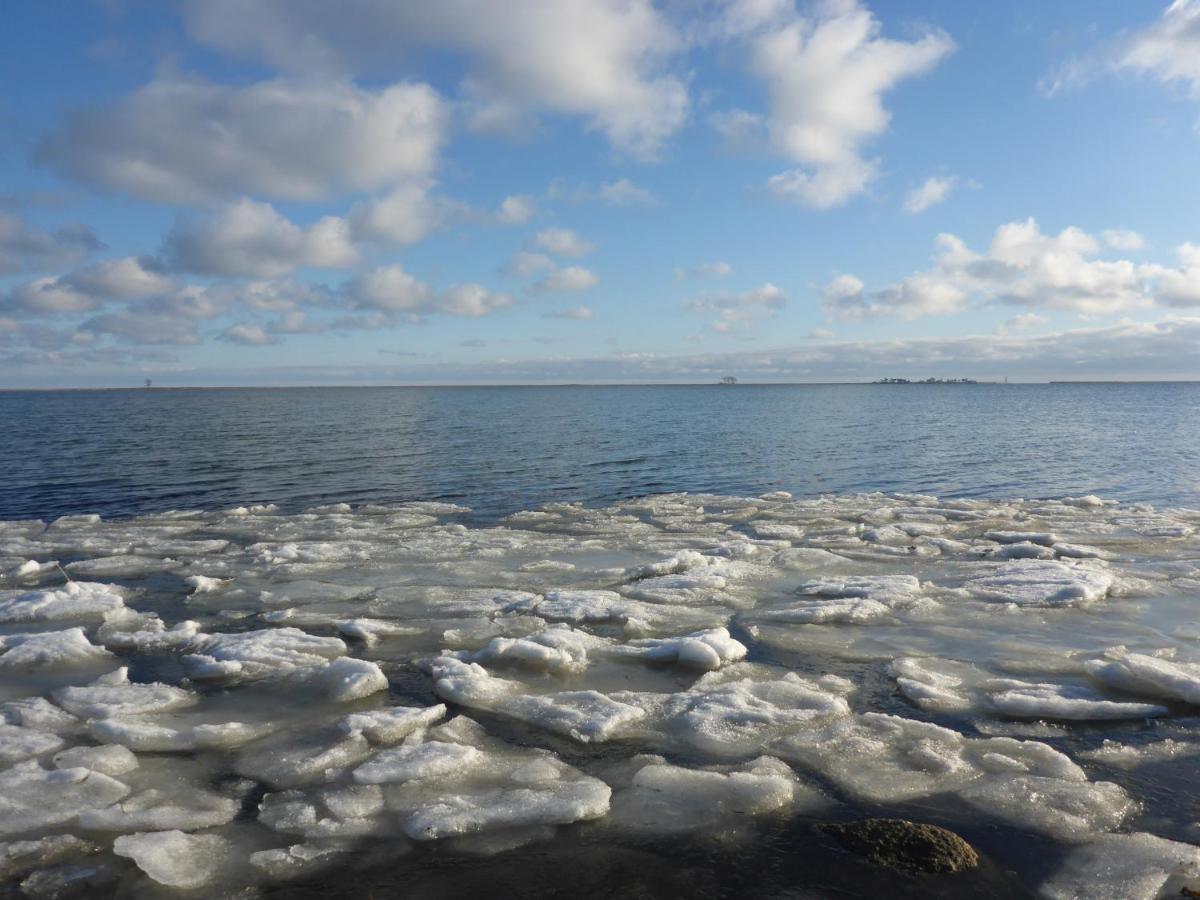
665	695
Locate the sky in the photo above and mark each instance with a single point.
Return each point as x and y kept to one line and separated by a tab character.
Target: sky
273	192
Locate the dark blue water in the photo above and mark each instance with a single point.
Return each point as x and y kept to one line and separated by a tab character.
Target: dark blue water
501	449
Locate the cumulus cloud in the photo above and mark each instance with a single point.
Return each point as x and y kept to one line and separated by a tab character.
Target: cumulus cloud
1179	285
562	242
1123	239
27	248
826	77
516	209
252	238
404	215
391	289
248	334
129	278
932	192
191	141
762	302
606	61
523	264
572	279
1021	267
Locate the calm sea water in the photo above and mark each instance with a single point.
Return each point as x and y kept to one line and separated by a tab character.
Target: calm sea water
500	449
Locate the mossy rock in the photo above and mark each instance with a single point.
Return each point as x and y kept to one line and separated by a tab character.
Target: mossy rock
904	846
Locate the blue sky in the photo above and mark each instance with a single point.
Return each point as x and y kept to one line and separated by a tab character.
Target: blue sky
275	192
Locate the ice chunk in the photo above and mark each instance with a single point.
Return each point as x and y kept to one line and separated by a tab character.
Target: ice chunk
885	759
17	743
39	714
259	654
290	760
150	734
668	798
178	860
369	631
110	759
19	857
348	811
1066	810
159	810
1125	867
157	637
1022	550
386	726
1148	676
295	861
77	600
1128	756
1056	701
50	649
413	761
553	804
347	679
203	584
558	649
586	716
887	589
1044	538
32	798
737	717
113	697
1037	582
705	650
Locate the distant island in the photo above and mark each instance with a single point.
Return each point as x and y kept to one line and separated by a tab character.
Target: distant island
926	381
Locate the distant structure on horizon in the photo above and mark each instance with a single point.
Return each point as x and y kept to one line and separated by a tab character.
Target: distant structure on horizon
926	381
728	380
149	384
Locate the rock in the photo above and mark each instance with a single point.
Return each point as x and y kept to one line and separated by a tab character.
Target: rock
905	846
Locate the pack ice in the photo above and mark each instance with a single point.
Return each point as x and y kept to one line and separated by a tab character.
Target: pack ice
210	700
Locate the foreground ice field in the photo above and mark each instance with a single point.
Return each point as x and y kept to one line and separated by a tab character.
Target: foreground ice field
205	701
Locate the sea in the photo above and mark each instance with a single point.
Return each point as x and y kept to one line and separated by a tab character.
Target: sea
504	449
598	641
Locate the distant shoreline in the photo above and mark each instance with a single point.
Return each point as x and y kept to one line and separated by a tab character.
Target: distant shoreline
606	384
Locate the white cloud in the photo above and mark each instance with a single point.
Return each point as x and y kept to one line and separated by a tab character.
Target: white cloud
516	209
932	192
1123	239
1168	49
252	238
578	313
572	279
25	247
562	242
1022	267
49	295
1025	321
248	334
137	327
190	141
523	264
826	77
404	215
390	289
821	334
129	278
1178	286
764	301
624	192
603	60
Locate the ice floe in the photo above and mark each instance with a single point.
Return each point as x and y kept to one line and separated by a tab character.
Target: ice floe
219	700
